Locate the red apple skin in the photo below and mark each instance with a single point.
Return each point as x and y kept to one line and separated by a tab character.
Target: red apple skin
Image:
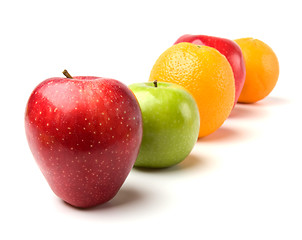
84	134
229	49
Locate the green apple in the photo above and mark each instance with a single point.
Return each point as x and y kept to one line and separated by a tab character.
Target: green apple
170	123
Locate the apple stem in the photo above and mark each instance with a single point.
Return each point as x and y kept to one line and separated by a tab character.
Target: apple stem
155	83
66	73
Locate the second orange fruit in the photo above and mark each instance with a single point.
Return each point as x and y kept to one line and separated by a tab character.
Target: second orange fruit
206	74
262	70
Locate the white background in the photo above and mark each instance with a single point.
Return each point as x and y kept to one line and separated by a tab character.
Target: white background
241	182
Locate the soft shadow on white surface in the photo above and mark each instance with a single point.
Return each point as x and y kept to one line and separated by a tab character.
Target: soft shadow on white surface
228	133
274	101
238	126
258	109
221	134
191	162
125	196
247	111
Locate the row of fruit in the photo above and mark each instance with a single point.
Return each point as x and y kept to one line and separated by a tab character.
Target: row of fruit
87	133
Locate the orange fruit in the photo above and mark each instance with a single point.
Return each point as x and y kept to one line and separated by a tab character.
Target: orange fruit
262	69
206	74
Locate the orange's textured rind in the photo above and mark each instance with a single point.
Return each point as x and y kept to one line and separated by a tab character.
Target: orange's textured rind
206	74
262	70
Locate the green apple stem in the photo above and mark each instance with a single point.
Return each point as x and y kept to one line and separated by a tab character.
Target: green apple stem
66	73
155	83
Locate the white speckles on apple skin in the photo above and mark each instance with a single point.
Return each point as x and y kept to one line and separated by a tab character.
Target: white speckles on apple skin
85	143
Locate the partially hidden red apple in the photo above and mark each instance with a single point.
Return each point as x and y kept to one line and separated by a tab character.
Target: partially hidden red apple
229	49
85	134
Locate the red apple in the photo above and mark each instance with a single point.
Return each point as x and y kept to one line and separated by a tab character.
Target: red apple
84	134
229	49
